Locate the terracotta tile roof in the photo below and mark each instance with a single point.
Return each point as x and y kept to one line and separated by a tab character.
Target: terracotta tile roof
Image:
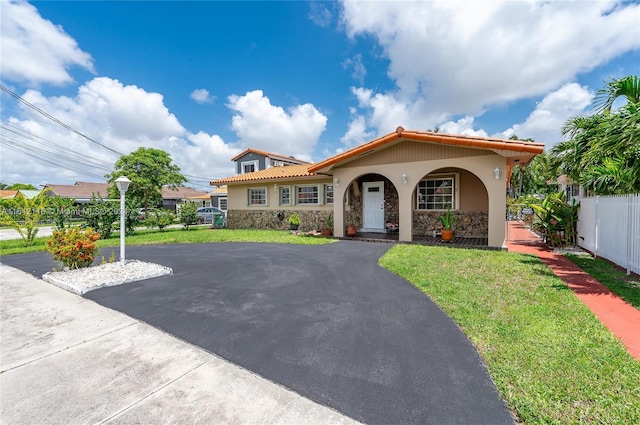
431	137
83	190
8	194
222	190
269	154
289	171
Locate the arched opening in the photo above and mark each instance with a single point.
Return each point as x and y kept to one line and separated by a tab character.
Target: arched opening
455	188
371	204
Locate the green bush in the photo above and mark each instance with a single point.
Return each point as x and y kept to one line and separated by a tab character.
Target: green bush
73	247
159	218
188	214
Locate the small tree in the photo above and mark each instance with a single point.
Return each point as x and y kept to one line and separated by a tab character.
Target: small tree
100	216
23	215
61	211
159	218
188	214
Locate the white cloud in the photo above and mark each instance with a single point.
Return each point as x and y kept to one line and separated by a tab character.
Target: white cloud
201	96
463	126
319	14
121	117
34	50
357	133
359	71
460	58
259	124
545	122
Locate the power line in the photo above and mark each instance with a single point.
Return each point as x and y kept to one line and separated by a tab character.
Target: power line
54	119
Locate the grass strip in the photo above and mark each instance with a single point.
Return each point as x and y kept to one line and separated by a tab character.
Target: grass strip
170	236
613	277
550	358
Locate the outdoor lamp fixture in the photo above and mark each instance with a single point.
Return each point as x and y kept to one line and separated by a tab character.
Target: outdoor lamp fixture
496	173
123	184
404	178
336	181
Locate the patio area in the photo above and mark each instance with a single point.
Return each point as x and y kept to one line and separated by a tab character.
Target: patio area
457	242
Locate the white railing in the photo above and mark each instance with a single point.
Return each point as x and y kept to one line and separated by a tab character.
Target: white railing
609	227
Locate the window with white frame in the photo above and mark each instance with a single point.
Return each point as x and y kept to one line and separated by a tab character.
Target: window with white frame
436	193
249	166
307	195
284	195
328	194
222	204
257	196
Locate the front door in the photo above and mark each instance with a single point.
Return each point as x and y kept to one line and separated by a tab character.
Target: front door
373	207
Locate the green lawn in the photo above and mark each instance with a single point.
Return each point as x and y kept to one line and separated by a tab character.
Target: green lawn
611	276
168	236
550	358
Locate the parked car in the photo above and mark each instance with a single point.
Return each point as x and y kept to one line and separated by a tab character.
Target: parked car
212	215
142	213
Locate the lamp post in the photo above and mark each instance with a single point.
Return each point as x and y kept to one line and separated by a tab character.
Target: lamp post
123	184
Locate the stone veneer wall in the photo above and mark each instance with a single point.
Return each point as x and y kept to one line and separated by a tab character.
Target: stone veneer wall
268	219
468	224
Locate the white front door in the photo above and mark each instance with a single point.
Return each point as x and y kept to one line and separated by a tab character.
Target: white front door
373	207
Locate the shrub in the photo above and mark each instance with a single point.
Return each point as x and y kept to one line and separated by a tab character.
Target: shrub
73	247
188	214
160	218
101	215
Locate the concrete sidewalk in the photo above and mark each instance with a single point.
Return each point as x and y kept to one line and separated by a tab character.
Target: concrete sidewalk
67	360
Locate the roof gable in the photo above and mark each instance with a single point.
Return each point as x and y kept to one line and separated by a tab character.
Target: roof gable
499	146
268	155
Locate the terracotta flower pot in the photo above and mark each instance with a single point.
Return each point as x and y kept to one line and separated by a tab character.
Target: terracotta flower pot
447	235
351	230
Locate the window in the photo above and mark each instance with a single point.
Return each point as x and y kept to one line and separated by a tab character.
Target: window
249	166
284	194
258	196
436	193
222	204
328	194
307	194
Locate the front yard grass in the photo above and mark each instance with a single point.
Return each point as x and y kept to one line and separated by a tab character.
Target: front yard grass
169	236
625	286
550	358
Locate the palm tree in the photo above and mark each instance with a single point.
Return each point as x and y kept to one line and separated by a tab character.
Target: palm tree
628	87
603	149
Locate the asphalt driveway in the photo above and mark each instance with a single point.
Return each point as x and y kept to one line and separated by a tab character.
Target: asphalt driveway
325	321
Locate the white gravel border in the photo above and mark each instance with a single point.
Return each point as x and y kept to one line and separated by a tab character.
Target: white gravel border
81	281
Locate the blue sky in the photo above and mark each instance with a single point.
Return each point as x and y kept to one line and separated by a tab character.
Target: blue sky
205	80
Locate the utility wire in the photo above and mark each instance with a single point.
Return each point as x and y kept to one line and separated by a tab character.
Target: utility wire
54	119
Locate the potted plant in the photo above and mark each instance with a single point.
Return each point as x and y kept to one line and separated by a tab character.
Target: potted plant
447	221
294	221
351	230
328	229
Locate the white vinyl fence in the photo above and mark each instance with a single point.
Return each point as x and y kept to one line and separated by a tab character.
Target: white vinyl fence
609	227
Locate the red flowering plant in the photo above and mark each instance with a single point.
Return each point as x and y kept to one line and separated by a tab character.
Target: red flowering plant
74	247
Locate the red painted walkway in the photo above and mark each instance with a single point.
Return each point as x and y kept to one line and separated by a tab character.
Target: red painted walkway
621	318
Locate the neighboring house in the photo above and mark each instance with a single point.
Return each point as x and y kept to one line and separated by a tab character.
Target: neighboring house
567	185
172	198
29	194
252	160
203	200
219	198
9	194
405	178
82	192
